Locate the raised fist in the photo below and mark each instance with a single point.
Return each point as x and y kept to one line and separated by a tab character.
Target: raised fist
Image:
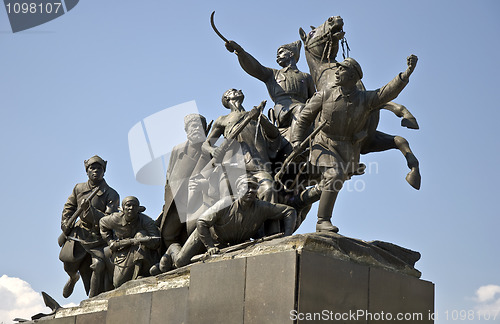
411	61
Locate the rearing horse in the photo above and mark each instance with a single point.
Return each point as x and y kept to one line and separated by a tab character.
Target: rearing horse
321	46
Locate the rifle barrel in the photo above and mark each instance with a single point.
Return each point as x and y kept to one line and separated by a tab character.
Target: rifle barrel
71	222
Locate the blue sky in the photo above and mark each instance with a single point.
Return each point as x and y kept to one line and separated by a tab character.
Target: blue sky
75	86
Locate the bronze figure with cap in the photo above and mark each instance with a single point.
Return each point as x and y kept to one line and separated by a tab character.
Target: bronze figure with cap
228	223
321	45
336	149
133	239
83	252
288	87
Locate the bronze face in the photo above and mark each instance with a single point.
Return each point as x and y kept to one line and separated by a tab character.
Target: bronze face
130	210
248	191
95	172
283	56
195	132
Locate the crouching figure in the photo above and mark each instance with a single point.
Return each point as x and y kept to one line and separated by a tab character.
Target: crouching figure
133	239
227	223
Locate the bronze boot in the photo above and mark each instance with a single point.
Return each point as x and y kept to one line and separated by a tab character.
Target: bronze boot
325	225
325	210
70	285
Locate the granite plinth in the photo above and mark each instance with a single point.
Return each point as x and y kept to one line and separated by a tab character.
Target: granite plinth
300	279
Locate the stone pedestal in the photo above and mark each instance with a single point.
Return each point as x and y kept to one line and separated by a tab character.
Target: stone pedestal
300	279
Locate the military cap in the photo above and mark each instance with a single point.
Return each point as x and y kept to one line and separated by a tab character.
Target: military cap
352	63
134	199
245	179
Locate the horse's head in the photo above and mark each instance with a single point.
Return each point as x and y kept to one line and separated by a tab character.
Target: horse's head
323	42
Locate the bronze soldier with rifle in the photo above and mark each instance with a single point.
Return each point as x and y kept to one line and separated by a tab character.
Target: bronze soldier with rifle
82	250
133	238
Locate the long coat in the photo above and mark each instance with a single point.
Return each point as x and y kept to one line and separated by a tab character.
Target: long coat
86	229
182	166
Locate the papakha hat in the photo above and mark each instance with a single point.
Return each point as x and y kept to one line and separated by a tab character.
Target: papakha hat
294	48
95	159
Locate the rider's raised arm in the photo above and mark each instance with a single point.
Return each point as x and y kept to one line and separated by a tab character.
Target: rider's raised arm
249	63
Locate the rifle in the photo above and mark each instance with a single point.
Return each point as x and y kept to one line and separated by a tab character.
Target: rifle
237	130
244	121
120	244
241	246
71	221
296	151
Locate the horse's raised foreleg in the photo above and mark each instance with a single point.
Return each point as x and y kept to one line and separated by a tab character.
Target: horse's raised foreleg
413	177
382	142
408	120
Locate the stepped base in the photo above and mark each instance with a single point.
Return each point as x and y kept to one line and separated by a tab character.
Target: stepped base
300	279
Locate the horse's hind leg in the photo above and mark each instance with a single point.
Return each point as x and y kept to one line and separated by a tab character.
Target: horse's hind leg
382	142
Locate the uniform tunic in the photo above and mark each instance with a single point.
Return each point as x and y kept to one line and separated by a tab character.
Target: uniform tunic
116	227
233	224
337	144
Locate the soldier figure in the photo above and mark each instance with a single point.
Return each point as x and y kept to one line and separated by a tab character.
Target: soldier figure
228	223
335	150
259	141
83	250
288	87
133	238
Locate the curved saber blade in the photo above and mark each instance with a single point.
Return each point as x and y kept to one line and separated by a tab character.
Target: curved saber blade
215	28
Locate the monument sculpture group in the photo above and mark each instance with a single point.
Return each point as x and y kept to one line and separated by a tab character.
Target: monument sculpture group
259	183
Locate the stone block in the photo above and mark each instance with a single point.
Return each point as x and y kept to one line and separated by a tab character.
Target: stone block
328	286
270	288
91	318
135	308
216	292
169	306
61	320
400	295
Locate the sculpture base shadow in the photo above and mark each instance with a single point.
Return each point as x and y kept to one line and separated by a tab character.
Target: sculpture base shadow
298	279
